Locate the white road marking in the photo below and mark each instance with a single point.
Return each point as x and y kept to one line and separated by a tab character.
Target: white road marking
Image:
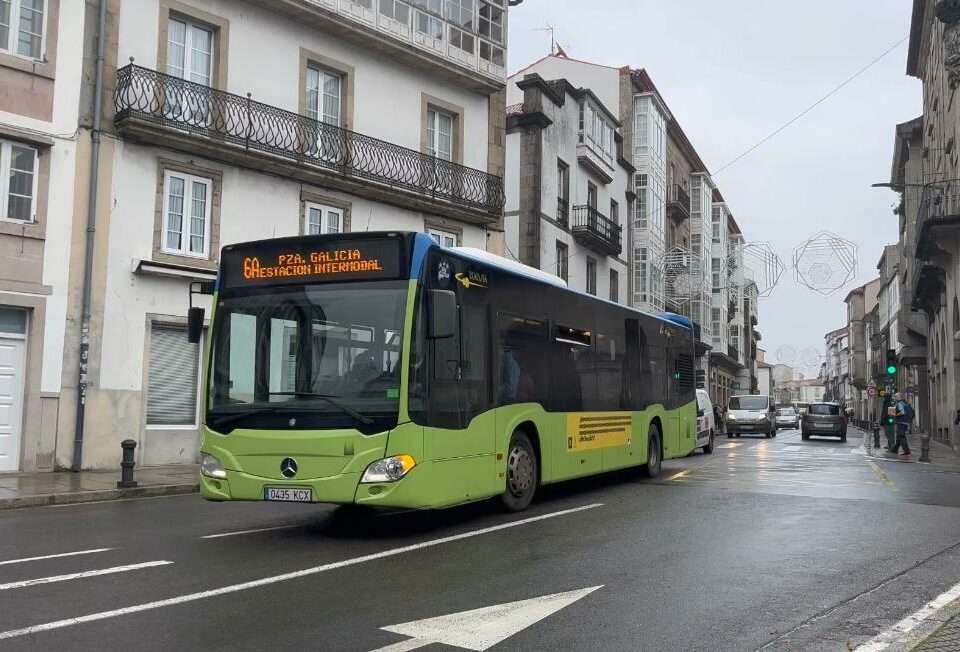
77	576
481	629
885	639
728	445
243	586
62	554
238	532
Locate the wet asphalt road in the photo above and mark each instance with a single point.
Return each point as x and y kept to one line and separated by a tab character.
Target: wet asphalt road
766	544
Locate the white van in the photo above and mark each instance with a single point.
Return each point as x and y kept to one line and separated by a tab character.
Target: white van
706	428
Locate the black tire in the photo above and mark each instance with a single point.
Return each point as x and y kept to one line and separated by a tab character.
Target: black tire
654	453
708	449
523	473
729	435
768	435
737	435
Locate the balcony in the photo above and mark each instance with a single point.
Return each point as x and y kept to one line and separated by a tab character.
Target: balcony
159	109
593	157
678	203
563	211
593	230
397	38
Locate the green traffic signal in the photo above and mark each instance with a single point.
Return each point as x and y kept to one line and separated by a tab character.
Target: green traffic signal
891	370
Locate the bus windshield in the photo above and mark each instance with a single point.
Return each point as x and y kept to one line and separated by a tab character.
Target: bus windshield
308	356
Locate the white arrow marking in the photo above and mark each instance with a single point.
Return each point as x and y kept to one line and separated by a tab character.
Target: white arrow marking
481	629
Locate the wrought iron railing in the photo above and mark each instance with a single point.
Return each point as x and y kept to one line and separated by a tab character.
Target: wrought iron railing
515	108
589	219
165	100
563	211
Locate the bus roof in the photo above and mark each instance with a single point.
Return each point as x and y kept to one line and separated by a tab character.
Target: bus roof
534	274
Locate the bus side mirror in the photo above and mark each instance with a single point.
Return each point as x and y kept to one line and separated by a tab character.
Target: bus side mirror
442	310
194	325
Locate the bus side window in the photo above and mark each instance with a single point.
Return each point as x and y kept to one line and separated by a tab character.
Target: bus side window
521	348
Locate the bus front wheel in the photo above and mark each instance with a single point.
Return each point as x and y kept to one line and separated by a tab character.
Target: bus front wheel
522	473
654	454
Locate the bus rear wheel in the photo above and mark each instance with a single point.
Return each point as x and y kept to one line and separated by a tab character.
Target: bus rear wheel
522	473
654	453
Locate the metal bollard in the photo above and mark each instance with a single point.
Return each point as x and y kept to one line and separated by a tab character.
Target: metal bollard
126	466
876	435
924	447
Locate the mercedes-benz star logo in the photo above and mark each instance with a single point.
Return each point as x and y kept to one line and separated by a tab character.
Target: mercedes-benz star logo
288	467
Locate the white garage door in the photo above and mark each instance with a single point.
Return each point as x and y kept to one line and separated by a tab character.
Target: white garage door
11	402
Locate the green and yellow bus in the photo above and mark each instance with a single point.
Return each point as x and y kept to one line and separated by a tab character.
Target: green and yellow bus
384	369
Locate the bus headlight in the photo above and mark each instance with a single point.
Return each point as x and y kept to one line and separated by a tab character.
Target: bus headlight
211	467
389	469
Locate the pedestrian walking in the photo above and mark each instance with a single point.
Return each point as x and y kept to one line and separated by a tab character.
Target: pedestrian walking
904	417
717	419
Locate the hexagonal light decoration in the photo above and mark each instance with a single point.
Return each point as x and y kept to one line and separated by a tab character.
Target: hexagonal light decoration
682	276
764	266
825	263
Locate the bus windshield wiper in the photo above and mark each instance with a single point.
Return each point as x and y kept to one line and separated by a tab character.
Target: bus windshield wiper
331	399
226	418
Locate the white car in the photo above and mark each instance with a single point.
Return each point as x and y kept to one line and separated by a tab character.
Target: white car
706	428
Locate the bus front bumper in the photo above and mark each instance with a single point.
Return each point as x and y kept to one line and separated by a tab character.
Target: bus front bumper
342	489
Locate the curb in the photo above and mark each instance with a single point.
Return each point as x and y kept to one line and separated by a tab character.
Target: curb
100	495
928	630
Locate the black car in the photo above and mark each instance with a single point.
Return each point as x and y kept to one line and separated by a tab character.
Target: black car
826	419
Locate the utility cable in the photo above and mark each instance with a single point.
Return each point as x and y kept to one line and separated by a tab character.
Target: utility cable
810	108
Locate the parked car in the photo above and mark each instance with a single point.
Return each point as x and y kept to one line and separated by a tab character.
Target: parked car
751	414
826	419
787	417
706	428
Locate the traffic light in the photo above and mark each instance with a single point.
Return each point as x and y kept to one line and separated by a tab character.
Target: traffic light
892	362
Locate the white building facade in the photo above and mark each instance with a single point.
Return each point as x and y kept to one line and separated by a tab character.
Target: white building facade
41	64
237	121
567	187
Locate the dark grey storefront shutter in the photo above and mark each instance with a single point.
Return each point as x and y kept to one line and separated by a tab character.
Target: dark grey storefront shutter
172	378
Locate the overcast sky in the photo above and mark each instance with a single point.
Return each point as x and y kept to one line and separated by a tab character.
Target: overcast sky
732	72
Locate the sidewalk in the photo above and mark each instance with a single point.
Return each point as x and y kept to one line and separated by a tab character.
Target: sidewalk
65	487
940	454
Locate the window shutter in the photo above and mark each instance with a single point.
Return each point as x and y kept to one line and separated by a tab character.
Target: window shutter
172	377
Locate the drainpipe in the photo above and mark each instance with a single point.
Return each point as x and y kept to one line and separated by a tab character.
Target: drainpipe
91	232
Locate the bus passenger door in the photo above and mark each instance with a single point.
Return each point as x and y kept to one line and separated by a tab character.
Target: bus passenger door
460	439
671	416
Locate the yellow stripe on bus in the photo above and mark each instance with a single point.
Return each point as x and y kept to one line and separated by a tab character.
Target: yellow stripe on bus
592	430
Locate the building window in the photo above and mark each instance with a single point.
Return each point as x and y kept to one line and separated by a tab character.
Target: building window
491	21
440	134
460	13
591	276
614	211
436	6
563	257
323	220
715	271
642	218
172	377
190	51
614	286
21	27
324	95
430	26
462	40
492	54
563	192
186	211
591	195
18	181
398	11
443	238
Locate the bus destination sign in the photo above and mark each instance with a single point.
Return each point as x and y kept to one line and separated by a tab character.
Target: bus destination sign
291	264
